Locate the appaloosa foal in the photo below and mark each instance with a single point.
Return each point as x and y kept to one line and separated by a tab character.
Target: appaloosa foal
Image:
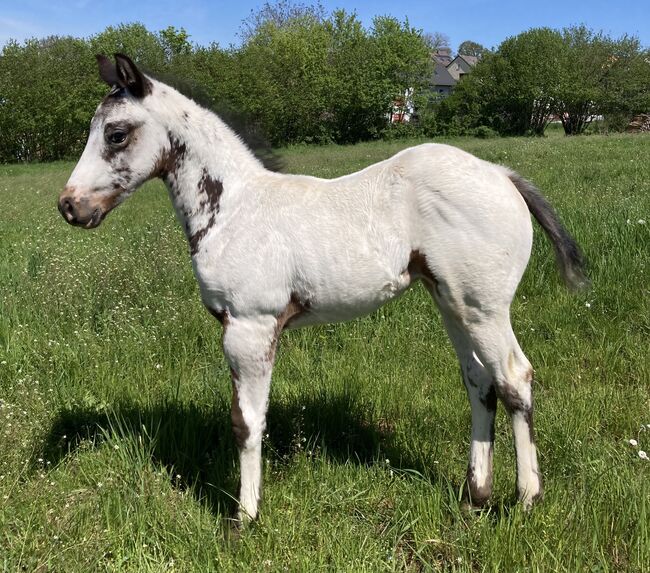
273	251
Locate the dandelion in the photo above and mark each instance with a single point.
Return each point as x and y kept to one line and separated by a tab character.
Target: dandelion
633	442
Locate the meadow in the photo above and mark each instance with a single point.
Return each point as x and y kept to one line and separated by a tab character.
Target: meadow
115	445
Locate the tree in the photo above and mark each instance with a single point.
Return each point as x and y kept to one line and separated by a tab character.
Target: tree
600	76
469	48
142	46
435	40
306	78
512	90
175	43
279	14
44	114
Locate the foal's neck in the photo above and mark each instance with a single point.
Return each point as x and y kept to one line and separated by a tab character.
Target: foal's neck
206	167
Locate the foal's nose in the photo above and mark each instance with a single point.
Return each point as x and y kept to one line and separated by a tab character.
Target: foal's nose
67	209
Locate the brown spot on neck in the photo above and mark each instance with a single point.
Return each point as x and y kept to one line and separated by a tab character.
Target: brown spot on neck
196	237
171	159
212	189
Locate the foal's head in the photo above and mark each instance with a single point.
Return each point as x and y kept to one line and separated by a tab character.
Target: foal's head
125	147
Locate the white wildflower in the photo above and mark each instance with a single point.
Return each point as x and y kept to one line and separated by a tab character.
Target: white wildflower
588	304
633	442
641	221
643	455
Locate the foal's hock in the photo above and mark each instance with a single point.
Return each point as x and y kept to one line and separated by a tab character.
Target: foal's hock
273	251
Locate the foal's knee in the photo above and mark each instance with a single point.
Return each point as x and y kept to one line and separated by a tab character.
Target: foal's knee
516	390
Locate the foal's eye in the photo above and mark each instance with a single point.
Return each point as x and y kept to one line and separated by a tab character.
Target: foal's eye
117	137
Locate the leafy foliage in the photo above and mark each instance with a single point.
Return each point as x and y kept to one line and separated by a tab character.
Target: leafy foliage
469	48
575	75
301	76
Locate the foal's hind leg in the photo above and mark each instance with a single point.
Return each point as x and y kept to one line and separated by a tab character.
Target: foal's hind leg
498	350
483	402
493	365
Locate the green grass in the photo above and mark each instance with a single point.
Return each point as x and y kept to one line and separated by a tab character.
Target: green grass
115	446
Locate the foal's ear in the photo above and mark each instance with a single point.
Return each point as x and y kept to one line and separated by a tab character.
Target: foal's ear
107	70
130	77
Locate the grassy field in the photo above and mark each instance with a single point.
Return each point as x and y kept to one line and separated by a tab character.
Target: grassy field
115	444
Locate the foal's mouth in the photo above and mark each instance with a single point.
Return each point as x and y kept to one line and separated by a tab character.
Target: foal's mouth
96	218
85	221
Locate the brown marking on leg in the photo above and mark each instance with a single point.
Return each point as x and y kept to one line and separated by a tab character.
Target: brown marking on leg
295	307
239	428
513	402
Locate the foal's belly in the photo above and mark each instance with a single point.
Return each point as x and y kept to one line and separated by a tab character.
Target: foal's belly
357	298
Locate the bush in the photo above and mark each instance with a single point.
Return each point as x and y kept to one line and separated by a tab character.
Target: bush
485	132
300	76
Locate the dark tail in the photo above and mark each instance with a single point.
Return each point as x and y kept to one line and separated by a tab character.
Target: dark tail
569	257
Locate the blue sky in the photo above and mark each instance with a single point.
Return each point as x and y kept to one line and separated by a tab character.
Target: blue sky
483	21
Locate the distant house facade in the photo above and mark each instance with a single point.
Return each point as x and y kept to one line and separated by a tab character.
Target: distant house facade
448	70
461	65
443	81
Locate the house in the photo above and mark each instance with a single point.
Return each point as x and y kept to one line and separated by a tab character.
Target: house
443	82
461	65
449	71
403	108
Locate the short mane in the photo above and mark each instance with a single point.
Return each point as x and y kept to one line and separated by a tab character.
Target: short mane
241	123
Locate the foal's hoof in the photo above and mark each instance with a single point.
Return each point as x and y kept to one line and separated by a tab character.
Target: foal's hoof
530	496
476	498
243	519
528	501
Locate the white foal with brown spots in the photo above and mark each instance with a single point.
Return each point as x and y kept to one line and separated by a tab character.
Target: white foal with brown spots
273	251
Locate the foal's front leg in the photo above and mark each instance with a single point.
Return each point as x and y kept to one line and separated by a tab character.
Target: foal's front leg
249	346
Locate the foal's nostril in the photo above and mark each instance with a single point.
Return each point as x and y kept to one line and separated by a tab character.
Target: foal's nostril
67	209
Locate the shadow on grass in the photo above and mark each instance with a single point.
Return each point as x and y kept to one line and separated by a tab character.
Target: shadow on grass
196	442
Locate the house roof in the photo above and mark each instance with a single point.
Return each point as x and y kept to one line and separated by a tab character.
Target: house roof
471	60
442	56
441	76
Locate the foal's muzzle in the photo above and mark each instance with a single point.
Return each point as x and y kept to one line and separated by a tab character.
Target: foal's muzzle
79	212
